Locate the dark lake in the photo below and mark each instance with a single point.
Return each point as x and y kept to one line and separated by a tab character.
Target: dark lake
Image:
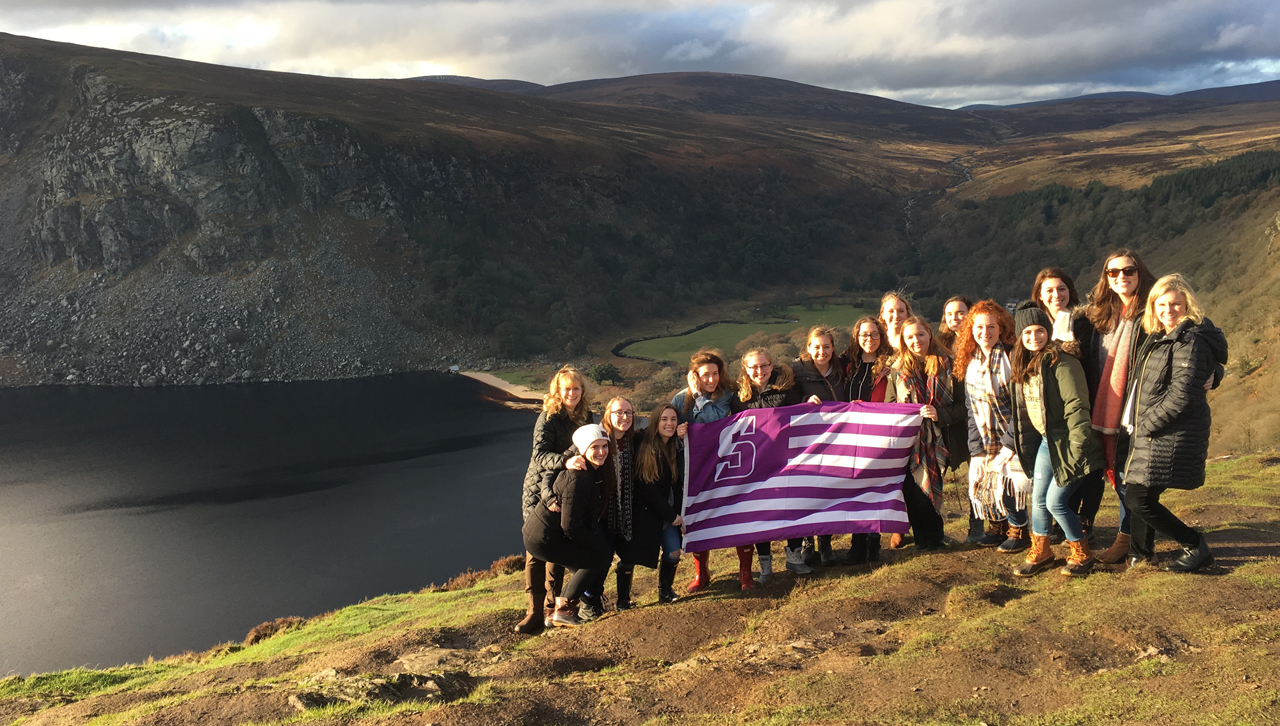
138	521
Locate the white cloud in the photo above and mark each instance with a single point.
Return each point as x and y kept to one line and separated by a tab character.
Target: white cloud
942	51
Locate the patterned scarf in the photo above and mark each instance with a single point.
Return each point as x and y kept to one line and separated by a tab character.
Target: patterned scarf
1115	374
929	457
624	491
988	384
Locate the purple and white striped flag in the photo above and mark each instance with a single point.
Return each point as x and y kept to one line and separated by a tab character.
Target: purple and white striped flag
775	473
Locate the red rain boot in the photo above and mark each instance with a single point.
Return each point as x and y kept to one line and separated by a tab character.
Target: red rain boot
701	573
745	553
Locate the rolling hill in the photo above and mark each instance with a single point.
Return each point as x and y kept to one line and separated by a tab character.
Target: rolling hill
168	222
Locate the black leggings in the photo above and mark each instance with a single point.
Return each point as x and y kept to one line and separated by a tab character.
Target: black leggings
925	521
763	548
1149	516
1087	497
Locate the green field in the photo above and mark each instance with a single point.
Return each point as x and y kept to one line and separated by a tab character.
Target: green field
678	348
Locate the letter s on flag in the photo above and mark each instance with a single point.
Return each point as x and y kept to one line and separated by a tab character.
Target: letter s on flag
738	453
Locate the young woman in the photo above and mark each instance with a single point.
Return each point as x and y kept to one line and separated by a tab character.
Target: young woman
953	314
708	397
659	470
1055	292
764	385
894	311
922	375
998	486
820	377
819	374
1115	310
866	360
867	375
1168	417
572	537
564	409
1052	436
633	527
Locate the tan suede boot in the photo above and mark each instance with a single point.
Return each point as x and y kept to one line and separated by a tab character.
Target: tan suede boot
1116	552
1039	559
1080	561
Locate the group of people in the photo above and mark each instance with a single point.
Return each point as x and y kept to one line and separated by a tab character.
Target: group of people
1050	405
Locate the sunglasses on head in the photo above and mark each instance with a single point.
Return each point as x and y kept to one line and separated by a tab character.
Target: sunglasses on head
1114	272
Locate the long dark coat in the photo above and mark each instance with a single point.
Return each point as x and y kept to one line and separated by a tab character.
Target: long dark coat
552	442
1171	421
574	536
652	509
831	387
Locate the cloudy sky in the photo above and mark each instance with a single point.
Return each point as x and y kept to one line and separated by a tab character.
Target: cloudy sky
936	52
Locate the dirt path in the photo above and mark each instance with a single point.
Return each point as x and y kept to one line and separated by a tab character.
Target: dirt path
514	390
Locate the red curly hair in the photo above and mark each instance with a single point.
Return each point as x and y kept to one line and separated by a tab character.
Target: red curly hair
966	345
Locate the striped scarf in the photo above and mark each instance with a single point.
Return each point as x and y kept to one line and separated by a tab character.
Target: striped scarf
988	384
624	490
929	457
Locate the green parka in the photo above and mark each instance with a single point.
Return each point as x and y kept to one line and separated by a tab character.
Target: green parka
1075	448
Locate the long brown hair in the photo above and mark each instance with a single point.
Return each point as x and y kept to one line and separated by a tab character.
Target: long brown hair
1106	307
554	404
785	377
656	456
967	345
853	354
707	356
935	359
1026	364
1049	273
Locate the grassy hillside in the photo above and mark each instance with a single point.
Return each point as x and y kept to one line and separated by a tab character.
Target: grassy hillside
928	638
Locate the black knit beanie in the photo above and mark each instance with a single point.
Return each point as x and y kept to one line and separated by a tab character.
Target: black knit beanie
1029	313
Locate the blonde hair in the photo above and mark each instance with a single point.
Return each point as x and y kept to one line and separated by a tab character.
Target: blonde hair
935	360
554	404
786	378
1167	284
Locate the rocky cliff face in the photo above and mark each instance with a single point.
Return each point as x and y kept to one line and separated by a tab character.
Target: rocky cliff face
161	241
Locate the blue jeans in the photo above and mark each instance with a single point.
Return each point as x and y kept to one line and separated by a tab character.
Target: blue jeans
1047	498
671	542
1124	510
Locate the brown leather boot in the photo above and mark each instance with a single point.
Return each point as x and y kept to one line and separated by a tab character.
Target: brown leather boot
1116	552
534	616
1016	542
1080	561
1039	559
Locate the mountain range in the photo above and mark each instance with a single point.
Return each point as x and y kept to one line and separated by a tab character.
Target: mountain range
170	222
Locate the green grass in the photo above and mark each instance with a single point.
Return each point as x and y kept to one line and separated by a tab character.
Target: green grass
725	336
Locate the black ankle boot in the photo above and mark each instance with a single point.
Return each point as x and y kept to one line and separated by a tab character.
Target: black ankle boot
1192	559
825	555
857	549
873	548
624	588
666	580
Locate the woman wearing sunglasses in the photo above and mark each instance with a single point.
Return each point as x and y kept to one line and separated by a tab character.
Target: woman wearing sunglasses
1115	309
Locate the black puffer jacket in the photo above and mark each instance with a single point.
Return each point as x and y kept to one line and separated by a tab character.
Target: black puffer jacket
574	536
781	390
1171	412
552	441
831	387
